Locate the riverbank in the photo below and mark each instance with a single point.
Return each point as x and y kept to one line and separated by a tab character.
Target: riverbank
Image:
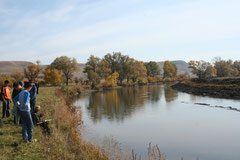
228	88
65	141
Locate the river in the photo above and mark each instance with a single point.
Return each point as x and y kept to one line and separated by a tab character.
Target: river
157	114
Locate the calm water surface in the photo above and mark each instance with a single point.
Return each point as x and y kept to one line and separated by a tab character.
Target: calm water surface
162	116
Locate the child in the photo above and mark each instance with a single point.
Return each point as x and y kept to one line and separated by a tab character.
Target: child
23	100
6	97
42	123
18	87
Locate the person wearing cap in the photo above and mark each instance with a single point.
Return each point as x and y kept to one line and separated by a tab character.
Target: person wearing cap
6	97
23	100
17	88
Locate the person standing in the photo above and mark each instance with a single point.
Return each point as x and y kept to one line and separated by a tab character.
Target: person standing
6	97
33	96
23	101
17	88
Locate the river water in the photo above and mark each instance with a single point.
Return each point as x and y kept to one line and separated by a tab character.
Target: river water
159	115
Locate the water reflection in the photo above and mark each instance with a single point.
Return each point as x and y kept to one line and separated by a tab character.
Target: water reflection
119	104
165	117
170	94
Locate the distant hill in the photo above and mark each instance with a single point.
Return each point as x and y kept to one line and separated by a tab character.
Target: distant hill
181	65
7	67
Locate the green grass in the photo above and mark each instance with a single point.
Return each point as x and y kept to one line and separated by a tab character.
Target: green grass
64	142
11	144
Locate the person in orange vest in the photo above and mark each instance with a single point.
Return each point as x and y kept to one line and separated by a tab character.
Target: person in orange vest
6	97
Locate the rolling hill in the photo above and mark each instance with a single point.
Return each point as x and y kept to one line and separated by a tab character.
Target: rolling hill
7	67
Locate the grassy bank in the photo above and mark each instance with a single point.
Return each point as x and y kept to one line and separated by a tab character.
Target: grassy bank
64	142
220	88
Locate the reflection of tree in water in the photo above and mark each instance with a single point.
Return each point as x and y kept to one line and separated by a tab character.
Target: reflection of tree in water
118	104
170	94
155	92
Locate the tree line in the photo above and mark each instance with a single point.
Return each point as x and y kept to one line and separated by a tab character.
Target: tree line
111	70
218	68
118	69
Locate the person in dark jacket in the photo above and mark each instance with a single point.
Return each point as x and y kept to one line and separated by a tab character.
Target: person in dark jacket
33	96
18	87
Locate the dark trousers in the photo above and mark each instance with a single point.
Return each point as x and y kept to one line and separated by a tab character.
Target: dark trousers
27	125
33	103
6	108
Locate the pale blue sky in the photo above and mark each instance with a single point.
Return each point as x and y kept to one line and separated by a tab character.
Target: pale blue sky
143	29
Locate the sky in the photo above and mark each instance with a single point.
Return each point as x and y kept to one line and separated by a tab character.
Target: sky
147	30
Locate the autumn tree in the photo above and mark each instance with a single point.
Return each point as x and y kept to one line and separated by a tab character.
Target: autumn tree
32	71
94	78
153	69
224	68
111	81
52	76
138	70
17	76
210	72
236	68
199	68
118	63
104	69
67	65
169	69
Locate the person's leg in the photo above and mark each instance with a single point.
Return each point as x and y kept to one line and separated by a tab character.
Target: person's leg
8	108
24	125
1	124
4	110
33	105
29	126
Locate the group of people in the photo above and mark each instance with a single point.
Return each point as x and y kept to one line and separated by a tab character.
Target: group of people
25	110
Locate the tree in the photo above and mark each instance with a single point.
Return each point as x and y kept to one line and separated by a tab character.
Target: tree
138	69
199	68
153	69
236	72
111	81
224	68
52	76
210	72
32	71
119	63
170	70
104	69
93	78
236	67
67	65
17	76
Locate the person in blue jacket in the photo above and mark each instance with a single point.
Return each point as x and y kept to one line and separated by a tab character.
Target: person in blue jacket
23	101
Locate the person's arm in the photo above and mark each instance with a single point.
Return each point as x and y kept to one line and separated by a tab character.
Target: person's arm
16	98
26	97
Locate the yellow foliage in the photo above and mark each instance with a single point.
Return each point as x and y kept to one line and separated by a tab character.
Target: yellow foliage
158	78
52	76
111	81
17	76
142	81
